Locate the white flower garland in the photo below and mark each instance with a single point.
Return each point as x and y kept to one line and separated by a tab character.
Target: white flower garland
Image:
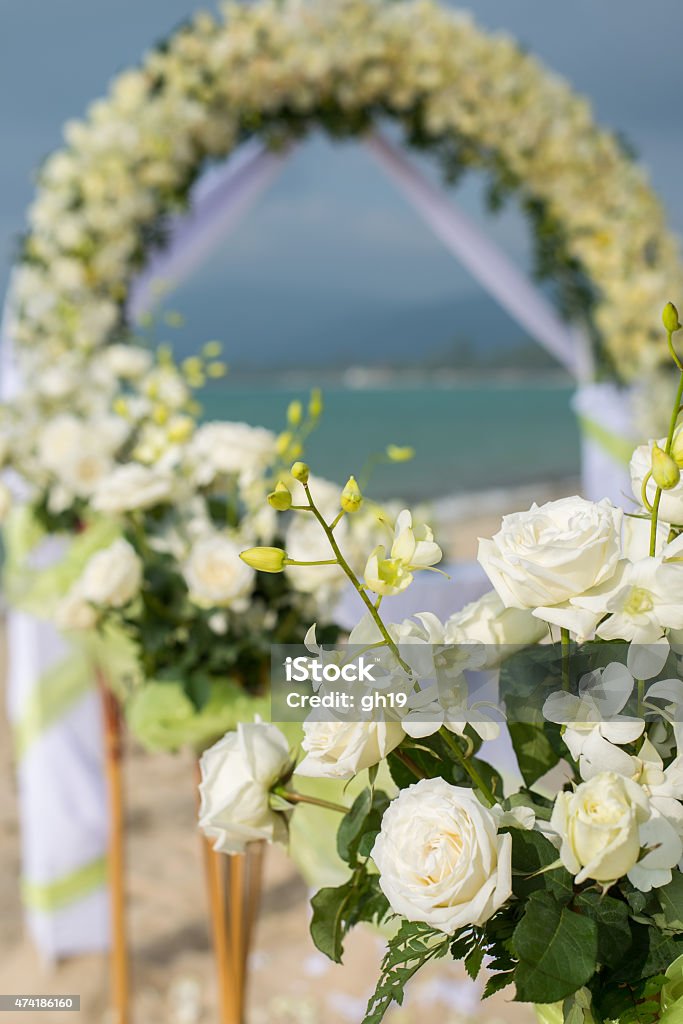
276	68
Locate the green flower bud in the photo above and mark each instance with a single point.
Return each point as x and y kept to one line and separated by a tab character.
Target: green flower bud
665	471
315	405
351	498
396	453
301	472
265	559
281	498
670	318
295	414
677	448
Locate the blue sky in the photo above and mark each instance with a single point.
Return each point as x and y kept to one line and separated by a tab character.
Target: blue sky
332	257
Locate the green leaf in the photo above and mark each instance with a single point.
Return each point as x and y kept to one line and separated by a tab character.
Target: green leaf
557	950
663	950
411	948
576	1008
612	920
632	1004
535	753
497	982
337	909
328	921
364	816
532	855
671	901
473	961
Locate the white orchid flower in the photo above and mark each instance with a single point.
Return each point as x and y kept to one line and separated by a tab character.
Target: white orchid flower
642	599
411	550
603	694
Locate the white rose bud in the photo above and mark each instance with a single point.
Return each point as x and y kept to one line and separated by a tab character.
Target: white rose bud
440	857
238	774
552	553
599	824
113	576
340	750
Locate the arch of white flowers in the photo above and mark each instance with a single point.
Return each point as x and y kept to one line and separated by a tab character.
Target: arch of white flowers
276	68
111	212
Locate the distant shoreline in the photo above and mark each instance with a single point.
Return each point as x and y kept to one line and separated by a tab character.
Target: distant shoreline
368	378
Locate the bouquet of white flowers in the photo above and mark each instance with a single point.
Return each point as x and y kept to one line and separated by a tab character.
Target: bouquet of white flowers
568	884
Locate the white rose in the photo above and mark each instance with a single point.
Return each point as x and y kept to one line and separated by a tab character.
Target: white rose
671	502
130	487
552	553
440	857
128	362
238	774
340	750
59	440
599	825
502	630
113	576
82	473
220	449
75	612
215	574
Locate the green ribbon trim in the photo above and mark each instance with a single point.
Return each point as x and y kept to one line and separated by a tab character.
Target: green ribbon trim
51	896
621	449
53	696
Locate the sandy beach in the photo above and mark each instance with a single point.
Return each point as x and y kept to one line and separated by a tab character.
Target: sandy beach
172	961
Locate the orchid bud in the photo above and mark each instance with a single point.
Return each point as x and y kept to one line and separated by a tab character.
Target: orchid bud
281	498
295	413
397	453
351	497
670	318
265	559
665	471
301	472
677	448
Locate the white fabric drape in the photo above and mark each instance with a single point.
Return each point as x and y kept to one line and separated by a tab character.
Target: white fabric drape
61	788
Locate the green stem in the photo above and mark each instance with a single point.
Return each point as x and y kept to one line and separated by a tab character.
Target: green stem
323	561
346	568
641	696
465	763
300	798
566	655
337	520
667	448
407	760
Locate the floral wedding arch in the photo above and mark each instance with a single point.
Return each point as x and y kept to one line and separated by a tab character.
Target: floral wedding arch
274	70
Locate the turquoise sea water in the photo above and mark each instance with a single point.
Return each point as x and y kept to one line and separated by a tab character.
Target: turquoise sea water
466	437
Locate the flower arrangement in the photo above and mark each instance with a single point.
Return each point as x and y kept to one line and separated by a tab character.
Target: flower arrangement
277	69
166	585
568	884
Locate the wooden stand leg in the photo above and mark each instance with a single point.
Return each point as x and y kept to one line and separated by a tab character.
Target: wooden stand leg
116	855
214	871
233	885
